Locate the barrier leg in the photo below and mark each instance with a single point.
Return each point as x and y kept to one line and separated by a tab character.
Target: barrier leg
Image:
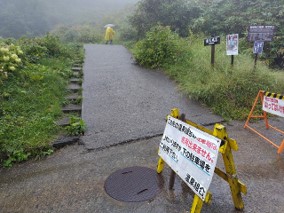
235	186
281	148
160	165
232	179
259	95
198	203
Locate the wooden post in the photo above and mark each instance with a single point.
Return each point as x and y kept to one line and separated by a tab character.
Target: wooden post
232	60
255	59
212	54
172	179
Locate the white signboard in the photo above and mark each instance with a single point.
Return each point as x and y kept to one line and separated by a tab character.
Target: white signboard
273	105
191	153
232	44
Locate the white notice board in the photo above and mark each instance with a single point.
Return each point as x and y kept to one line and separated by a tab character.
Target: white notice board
273	105
232	44
191	153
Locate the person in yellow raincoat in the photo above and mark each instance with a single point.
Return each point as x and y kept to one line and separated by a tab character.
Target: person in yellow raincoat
109	35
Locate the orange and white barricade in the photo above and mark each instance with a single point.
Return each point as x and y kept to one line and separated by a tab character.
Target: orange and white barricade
272	103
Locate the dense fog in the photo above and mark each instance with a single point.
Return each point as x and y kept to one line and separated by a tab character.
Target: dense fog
36	17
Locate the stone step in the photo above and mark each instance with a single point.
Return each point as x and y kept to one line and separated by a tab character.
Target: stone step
76	74
76	80
76	69
73	97
64	141
63	122
74	87
72	108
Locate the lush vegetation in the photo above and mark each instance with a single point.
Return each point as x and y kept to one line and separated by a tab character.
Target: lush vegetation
160	47
211	17
167	36
228	90
34	75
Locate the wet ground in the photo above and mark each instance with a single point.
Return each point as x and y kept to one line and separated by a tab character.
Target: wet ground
73	178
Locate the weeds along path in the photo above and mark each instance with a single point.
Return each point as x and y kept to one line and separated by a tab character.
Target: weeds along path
123	102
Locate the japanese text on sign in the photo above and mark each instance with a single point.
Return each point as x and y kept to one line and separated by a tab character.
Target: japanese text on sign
261	33
212	40
191	153
273	105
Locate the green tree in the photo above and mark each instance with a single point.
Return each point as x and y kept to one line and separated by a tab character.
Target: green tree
178	14
235	16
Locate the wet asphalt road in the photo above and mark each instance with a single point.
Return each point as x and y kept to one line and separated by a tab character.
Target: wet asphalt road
124	102
124	128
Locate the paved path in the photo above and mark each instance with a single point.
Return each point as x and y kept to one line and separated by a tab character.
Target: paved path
123	102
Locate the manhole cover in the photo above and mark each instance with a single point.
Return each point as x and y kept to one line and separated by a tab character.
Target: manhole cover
133	184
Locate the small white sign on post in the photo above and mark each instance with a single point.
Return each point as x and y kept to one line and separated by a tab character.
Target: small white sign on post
274	106
191	153
232	44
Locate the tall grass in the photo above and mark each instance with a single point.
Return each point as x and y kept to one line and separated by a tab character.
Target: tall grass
229	90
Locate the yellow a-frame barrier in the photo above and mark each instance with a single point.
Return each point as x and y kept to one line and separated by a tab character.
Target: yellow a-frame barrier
230	176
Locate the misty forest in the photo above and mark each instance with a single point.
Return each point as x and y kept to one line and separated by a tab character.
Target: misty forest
40	40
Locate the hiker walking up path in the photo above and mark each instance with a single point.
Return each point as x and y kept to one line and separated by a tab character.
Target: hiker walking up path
124	102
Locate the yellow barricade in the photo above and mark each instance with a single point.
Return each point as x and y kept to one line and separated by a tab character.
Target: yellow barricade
230	175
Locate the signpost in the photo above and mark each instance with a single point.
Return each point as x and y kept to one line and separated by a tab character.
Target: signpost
232	45
260	34
212	41
258	47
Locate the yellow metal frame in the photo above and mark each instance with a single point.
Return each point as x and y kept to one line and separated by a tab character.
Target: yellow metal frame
230	176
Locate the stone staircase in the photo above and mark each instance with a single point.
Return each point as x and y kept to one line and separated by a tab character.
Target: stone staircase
73	106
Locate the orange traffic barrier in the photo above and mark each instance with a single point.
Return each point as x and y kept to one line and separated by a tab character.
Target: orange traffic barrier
272	107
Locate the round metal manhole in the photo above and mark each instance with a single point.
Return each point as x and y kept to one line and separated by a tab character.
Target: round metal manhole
133	184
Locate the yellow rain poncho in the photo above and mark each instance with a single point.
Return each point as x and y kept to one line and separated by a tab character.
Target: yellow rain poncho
109	34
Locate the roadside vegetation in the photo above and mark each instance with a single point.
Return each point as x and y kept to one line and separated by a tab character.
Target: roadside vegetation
228	89
172	41
34	73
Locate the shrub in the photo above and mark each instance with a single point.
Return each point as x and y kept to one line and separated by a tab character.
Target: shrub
160	48
9	59
77	126
33	49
